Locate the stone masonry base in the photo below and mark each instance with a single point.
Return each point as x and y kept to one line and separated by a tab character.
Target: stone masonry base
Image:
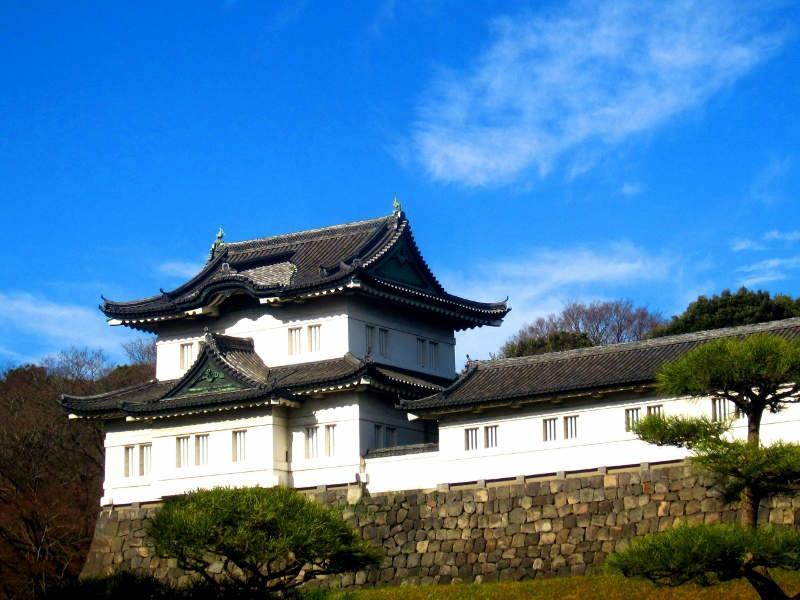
484	531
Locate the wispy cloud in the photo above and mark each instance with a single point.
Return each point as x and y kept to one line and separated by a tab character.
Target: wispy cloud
51	326
745	244
768	185
783	236
544	279
768	270
631	189
555	86
179	269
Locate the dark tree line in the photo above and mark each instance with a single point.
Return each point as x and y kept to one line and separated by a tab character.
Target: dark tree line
598	323
51	468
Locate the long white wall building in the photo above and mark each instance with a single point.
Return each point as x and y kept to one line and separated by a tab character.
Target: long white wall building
327	358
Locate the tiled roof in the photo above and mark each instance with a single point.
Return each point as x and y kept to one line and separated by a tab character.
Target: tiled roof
575	371
251	381
284	267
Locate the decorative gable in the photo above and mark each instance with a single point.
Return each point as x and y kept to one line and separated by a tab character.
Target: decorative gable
402	264
208	375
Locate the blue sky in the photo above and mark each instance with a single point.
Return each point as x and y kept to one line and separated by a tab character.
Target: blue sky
575	150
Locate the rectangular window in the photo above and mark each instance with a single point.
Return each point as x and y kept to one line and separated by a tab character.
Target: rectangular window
378	438
656	410
571	427
314	337
383	342
187	355
129	460
549	429
471	438
490	436
420	352
312	442
369	338
433	355
145	453
201	449
720	409
631	418
294	340
391	437
330	440
239	446
182	451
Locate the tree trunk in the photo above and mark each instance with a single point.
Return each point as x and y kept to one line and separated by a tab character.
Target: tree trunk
748	499
765	585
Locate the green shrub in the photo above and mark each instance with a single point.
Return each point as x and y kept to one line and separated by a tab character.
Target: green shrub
257	541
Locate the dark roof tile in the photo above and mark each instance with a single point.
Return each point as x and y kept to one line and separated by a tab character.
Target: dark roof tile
584	369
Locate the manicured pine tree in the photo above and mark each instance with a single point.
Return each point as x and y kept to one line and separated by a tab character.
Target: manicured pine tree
756	374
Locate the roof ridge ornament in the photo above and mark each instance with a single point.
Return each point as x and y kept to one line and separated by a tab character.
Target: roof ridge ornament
397	208
219	242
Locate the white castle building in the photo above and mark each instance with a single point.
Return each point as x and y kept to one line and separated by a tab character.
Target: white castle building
327	358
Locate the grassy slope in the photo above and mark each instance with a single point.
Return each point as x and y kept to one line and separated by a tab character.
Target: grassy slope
604	587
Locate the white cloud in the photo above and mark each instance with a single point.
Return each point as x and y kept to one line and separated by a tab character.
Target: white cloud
783	236
558	85
768	185
766	271
631	189
541	282
745	244
178	268
50	326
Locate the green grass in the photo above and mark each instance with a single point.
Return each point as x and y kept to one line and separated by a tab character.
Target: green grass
603	587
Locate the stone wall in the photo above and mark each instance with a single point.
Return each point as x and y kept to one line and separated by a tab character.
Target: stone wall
502	530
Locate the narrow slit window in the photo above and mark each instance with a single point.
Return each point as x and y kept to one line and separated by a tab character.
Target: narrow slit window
490	436
369	338
655	410
312	442
129	461
294	340
721	409
383	342
549	429
471	438
433	355
631	418
330	440
201	449
571	427
420	352
378	436
182	451
314	338
145	459
187	355
391	437
239	446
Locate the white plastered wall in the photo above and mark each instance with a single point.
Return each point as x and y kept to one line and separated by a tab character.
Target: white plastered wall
601	442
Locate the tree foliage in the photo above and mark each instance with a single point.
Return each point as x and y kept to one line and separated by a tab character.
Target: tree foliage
579	325
257	540
51	469
727	309
709	554
523	344
756	373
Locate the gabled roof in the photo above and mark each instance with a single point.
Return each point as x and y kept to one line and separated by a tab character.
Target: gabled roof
378	257
575	372
228	374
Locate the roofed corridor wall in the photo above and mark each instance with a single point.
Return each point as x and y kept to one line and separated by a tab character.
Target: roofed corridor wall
273	458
